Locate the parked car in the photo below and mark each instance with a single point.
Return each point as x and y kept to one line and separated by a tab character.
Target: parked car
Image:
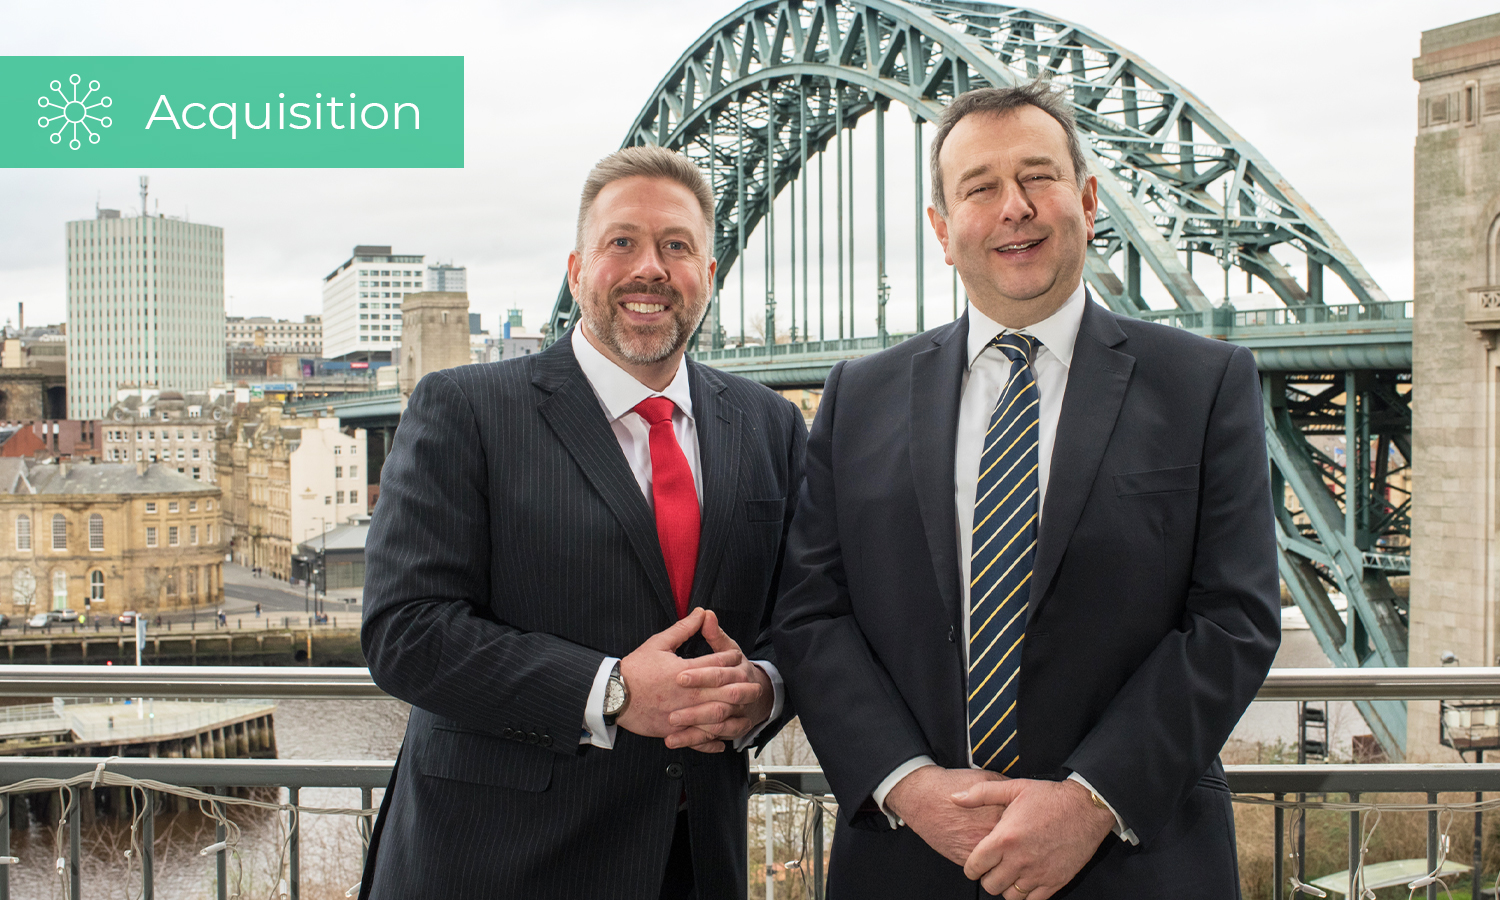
126	618
4	620
66	615
40	620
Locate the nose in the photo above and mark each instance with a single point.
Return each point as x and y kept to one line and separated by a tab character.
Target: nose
1015	205
649	265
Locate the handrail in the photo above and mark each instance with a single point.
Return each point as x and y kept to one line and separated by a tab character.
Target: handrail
354	683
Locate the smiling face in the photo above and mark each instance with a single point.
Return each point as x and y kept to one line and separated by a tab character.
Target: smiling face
642	275
1018	222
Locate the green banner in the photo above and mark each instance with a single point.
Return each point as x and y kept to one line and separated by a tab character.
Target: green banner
232	111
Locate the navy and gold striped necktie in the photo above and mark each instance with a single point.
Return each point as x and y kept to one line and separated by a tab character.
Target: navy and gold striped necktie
1005	529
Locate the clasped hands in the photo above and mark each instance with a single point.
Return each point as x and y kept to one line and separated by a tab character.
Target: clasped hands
705	703
1020	838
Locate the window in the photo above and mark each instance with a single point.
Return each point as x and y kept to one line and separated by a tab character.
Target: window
96	531
59	589
150	535
354	496
181	454
195	434
338	471
22	587
150	506
339	495
337	450
180	434
192	534
23	532
153	455
172	536
192	506
96	585
59	532
208	534
353	471
172	507
210	505
327	500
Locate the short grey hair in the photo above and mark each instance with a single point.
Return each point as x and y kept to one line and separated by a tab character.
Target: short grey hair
649	161
997	102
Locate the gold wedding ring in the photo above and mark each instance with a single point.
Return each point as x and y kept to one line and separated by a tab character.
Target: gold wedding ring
1017	888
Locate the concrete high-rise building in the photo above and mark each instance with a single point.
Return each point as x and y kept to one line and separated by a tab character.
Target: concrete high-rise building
1455	563
362	302
145	305
450	279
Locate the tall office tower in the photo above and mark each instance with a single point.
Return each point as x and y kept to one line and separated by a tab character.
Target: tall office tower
451	279
145	305
362	303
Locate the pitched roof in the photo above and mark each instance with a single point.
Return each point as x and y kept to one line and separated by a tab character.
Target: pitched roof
104	478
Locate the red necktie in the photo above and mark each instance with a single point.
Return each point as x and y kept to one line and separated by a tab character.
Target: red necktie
675	497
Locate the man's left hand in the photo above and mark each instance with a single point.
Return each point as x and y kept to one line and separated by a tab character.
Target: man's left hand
1048	831
719	723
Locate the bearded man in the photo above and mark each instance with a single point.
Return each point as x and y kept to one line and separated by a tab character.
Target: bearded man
571	550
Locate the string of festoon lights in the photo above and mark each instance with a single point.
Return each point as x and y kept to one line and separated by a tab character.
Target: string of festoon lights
213	806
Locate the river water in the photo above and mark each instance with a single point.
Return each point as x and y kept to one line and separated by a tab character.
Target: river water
331	847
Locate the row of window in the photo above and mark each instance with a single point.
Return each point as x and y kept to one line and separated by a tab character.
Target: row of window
338	471
386	273
396	316
173	532
96	529
118	454
119	434
392	284
23	587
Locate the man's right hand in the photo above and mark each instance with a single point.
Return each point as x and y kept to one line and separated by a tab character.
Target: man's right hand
650	673
923	800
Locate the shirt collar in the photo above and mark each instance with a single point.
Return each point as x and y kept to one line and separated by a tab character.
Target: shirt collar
1058	332
618	391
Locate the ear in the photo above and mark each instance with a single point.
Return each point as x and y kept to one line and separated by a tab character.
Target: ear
713	267
940	228
1090	203
575	267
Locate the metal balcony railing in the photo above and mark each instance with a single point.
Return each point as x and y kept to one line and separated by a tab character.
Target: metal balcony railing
1280	782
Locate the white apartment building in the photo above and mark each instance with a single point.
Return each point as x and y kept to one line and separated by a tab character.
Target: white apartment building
362	302
145	305
305	337
328	483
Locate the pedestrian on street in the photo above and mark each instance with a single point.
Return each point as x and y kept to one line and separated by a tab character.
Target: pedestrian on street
257	610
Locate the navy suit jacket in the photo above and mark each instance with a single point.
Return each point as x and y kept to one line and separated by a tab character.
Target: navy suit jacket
511	552
1153	616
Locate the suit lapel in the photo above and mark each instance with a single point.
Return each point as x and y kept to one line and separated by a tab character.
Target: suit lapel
936	382
718	424
572	410
1097	380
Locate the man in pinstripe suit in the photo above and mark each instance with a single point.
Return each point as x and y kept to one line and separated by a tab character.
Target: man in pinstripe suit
570	551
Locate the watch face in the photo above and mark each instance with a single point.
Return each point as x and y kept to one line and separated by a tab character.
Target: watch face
614	696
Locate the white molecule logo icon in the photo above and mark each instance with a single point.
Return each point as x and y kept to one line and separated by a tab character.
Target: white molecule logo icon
73	113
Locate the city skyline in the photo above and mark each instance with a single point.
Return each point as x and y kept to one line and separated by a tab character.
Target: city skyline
1339	125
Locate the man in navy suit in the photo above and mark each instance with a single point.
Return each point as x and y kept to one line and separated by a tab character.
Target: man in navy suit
1031	585
570	551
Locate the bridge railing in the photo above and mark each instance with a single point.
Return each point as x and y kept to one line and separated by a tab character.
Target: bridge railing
215	777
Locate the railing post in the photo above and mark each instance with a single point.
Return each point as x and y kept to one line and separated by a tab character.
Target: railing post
1354	834
366	823
148	849
221	861
295	872
820	890
1478	836
75	890
1278	876
770	847
5	800
1432	842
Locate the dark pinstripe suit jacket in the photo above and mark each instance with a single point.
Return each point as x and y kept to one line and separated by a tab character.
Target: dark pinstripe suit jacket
511	552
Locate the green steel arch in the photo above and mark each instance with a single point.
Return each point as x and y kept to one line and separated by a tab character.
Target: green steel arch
777	81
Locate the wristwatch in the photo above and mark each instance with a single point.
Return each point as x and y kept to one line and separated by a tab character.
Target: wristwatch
616	696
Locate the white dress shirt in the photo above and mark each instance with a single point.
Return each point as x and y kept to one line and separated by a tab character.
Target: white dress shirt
987	371
619	393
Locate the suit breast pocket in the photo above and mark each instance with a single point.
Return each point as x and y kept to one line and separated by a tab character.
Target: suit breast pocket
476	758
772	510
1157	481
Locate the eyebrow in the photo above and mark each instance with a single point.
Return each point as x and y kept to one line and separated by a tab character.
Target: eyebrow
633	228
984	168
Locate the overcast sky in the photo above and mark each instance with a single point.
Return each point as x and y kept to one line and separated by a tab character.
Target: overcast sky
1322	89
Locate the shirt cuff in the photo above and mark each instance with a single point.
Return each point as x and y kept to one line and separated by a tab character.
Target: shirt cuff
1121	832
885	787
778	692
595	732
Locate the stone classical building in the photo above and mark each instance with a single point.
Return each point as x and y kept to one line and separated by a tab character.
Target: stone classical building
175	429
286	481
104	538
1455	576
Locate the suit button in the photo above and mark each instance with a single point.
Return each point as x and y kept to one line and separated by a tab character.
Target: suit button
532	738
546	740
509	733
674	770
